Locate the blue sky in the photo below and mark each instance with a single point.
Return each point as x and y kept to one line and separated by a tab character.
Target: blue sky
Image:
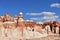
29	7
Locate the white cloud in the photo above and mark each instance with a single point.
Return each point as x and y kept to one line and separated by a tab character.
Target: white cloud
42	13
48	13
55	16
52	17
46	16
35	18
55	5
49	16
33	14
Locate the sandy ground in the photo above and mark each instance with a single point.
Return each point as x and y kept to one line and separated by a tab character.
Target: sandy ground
50	37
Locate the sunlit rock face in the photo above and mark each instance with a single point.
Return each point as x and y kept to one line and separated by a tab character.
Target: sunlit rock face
20	17
12	28
38	28
1	19
15	18
7	17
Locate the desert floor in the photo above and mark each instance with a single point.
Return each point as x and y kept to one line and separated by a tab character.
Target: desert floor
49	37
